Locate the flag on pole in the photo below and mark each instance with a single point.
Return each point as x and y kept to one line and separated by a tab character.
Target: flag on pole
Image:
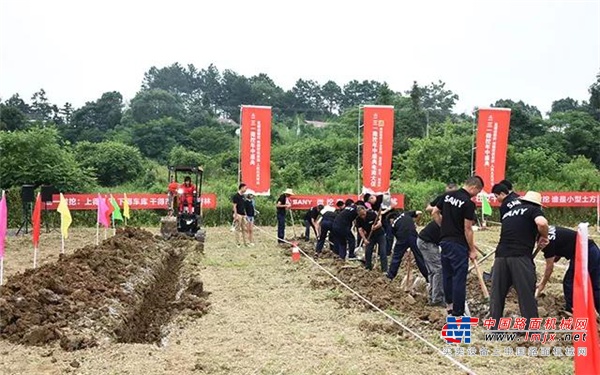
583	308
3	224
109	211
37	220
65	216
102	209
485	204
125	207
116	215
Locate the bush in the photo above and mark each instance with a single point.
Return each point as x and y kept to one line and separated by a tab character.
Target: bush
37	157
180	155
113	163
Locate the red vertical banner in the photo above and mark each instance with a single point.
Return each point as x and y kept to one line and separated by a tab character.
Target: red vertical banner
255	148
378	138
492	144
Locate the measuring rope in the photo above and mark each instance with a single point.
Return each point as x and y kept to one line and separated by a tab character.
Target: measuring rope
393	319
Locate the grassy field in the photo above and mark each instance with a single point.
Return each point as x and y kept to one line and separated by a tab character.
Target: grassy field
266	317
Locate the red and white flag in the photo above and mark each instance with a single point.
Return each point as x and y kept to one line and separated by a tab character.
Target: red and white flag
492	144
378	139
255	148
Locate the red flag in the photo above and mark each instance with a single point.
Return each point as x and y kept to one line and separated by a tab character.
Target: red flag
109	210
583	308
37	220
377	148
255	148
492	144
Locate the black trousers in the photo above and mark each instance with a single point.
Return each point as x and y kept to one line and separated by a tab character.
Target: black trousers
518	272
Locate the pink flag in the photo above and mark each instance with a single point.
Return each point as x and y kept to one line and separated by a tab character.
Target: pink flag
102	210
3	225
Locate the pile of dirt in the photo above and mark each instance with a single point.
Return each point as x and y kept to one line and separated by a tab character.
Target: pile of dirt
130	280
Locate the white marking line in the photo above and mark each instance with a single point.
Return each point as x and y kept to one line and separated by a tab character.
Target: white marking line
406	328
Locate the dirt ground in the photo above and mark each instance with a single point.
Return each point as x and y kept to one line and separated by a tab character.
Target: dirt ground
269	315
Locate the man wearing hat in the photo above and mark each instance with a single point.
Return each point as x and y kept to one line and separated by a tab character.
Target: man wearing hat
562	244
283	204
514	266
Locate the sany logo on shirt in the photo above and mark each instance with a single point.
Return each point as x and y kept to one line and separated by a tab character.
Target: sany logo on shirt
454	201
517	212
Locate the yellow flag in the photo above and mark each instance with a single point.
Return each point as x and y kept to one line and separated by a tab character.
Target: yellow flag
125	206
65	216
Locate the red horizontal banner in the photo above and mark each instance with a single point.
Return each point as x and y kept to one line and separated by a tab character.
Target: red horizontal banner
136	201
557	199
305	202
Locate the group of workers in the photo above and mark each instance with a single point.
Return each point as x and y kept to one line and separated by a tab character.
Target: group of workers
443	248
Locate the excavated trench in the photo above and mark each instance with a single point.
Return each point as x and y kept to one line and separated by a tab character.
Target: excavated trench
126	290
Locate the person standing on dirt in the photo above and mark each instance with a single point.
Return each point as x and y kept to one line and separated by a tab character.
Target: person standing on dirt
342	230
513	263
455	214
251	212
428	243
562	243
310	221
370	229
283	205
405	231
187	194
328	215
507	198
239	213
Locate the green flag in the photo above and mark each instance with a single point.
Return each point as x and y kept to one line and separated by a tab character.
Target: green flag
485	204
116	215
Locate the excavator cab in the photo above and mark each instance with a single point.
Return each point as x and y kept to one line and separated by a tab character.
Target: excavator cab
184	203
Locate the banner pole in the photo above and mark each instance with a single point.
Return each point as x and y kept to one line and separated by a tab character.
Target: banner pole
97	234
240	149
1	270
358	153
62	243
35	252
473	144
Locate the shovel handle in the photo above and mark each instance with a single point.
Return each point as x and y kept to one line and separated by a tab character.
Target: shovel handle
486	295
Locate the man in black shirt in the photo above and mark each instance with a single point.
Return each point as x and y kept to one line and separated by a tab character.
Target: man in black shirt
239	213
506	198
310	221
328	215
283	204
405	231
370	229
342	230
428	243
514	265
562	245
455	215
450	187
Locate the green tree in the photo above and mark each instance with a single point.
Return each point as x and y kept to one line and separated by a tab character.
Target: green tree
594	91
212	140
525	121
94	120
113	163
581	133
41	109
156	138
36	156
175	79
565	105
155	104
180	155
11	118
